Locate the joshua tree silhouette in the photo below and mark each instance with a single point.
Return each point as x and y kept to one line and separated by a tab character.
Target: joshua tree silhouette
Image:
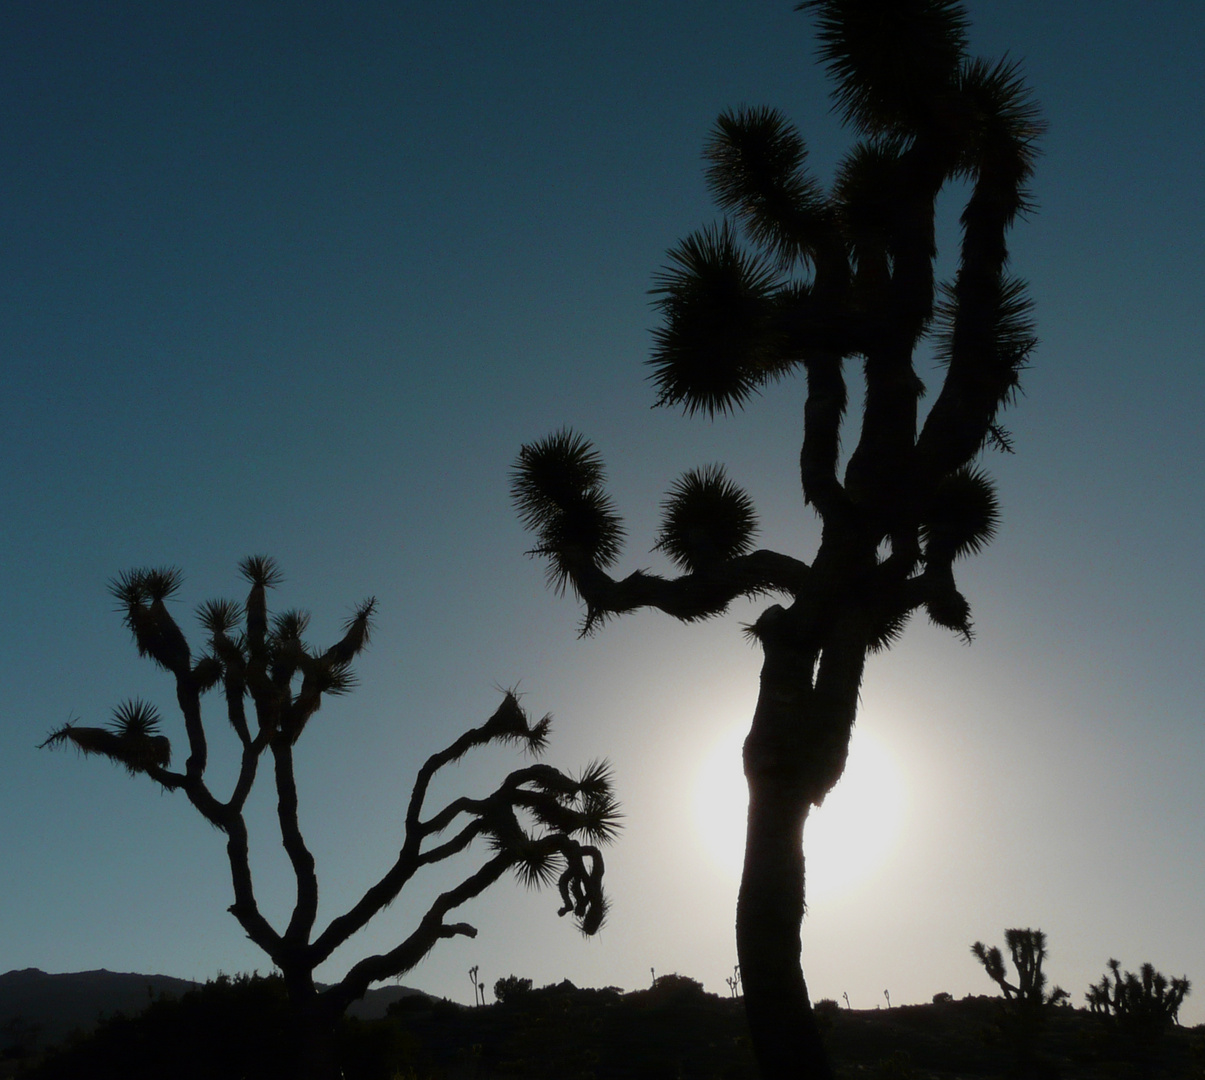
1028	950
540	823
1142	1005
825	277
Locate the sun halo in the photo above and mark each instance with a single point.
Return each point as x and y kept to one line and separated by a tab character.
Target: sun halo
845	840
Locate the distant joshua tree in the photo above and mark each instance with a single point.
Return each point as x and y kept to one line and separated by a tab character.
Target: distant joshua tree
824	279
734	981
1143	1004
1028	950
540	823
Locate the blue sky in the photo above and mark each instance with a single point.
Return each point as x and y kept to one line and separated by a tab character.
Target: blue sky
300	279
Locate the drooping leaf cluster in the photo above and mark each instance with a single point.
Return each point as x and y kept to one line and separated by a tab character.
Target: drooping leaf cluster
558	490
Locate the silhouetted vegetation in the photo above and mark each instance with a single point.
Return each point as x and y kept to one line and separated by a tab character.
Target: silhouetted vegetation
1138	1007
1028	950
510	987
539	823
1026	1002
239	1029
818	279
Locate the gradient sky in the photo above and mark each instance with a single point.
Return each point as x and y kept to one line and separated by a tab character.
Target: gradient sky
301	278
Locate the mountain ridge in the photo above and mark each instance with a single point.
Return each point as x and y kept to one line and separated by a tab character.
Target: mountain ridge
43	1008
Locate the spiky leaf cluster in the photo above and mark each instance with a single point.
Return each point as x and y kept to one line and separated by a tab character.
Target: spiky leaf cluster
557	487
719	340
547	823
890	59
510	723
865	202
706	520
986	325
219	617
758	173
961	517
131	740
141	594
261	570
1001	128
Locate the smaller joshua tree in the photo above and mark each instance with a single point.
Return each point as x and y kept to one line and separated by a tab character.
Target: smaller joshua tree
1143	1004
540	823
1028	949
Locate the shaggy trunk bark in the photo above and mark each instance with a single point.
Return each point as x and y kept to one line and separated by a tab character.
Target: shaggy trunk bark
791	752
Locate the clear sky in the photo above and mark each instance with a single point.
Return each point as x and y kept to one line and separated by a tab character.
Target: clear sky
301	278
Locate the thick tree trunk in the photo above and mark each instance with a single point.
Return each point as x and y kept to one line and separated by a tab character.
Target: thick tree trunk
313	1039
795	751
769	914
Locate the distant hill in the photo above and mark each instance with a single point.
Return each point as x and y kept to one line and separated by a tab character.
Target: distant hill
60	1004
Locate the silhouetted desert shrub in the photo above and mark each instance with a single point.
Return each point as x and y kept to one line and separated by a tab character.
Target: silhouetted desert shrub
675	987
510	987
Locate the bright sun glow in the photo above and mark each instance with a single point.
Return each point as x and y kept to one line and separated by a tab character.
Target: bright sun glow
845	840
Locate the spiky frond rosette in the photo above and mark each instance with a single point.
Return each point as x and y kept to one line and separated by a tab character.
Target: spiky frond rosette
962	517
131	740
290	625
219	617
719	341
357	633
757	173
557	488
141	594
706	520
891	60
987	324
864	202
1003	129
600	816
146	585
510	723
261	570
949	609
136	719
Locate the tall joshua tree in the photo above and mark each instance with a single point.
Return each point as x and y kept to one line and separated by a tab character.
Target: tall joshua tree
540	823
818	279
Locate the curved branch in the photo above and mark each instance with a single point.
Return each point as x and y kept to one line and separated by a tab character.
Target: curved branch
245	909
248	768
822	416
172	781
305	910
432	928
189	701
694	596
454	846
